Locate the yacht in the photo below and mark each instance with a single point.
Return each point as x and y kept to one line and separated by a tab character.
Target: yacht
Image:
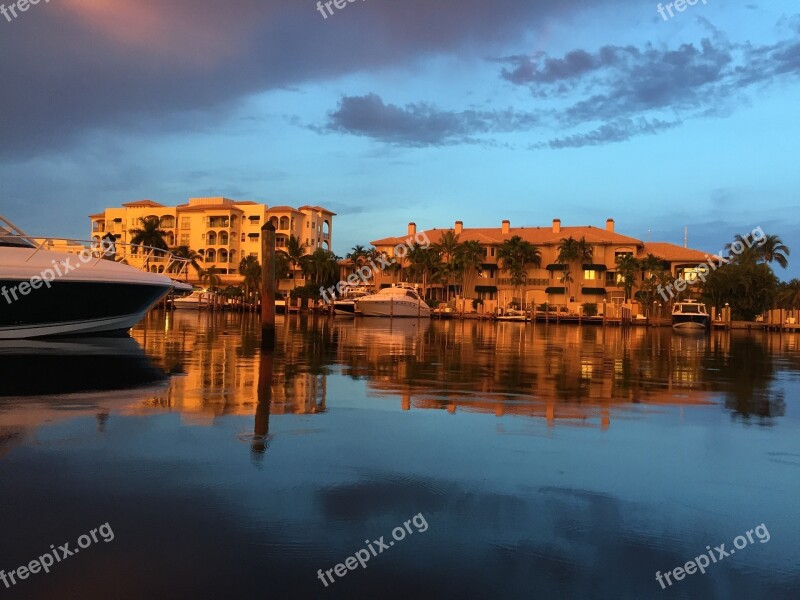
47	289
511	314
400	300
346	305
196	299
689	316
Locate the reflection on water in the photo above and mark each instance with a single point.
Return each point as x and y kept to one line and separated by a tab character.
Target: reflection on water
554	461
563	374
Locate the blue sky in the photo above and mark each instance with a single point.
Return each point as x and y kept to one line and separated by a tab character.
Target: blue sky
392	111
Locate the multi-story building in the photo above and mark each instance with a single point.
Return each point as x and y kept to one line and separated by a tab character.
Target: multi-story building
594	281
221	230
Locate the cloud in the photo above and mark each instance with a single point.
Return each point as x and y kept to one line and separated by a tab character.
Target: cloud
617	131
420	124
79	66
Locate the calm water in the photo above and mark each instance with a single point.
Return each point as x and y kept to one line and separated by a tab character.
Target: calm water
545	462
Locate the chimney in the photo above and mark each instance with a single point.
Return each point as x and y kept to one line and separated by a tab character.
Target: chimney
556	225
459	227
412	229
610	225
506	226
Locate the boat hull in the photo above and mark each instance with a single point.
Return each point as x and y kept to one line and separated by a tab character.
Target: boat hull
344	308
690	323
76	308
398	308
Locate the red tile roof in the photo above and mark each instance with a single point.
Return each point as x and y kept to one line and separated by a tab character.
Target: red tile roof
539	236
673	253
143	203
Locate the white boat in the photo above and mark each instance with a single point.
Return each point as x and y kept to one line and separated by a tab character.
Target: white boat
346	305
52	292
690	316
401	300
511	314
197	299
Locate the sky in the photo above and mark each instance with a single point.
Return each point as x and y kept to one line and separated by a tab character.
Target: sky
390	111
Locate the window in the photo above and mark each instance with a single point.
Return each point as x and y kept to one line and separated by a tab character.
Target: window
590	274
186	222
242	237
184	239
284	223
492	250
689	275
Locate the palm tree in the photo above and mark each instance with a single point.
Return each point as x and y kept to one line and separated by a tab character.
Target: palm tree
295	250
627	266
516	256
470	258
448	248
424	264
210	277
186	253
774	250
250	269
149	234
358	255
321	267
789	294
573	251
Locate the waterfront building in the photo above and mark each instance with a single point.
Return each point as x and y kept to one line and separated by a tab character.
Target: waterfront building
222	231
595	281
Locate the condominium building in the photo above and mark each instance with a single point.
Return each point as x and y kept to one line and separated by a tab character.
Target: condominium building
595	281
222	231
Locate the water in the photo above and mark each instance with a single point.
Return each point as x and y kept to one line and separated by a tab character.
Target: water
528	462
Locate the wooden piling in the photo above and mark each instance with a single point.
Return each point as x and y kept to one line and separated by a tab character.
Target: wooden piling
268	285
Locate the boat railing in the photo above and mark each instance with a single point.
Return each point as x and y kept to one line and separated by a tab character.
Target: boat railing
144	258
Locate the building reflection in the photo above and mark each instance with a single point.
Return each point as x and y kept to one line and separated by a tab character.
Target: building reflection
568	375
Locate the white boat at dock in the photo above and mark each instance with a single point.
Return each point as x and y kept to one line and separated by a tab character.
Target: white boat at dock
690	316
400	300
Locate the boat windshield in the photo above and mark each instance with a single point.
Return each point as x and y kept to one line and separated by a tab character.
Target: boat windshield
692	308
12	238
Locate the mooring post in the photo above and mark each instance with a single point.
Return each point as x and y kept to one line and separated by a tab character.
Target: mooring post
268	285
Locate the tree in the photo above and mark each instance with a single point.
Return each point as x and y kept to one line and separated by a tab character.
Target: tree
186	254
210	278
517	255
573	251
749	288
424	264
789	294
627	266
295	251
321	267
447	247
358	255
470	258
774	250
250	269
150	234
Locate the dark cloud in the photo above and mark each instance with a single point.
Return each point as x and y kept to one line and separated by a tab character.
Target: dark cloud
617	131
420	124
134	65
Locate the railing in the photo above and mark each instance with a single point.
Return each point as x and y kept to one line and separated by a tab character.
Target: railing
144	258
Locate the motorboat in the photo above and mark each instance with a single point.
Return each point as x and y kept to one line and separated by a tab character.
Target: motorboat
346	305
58	288
400	300
511	314
690	316
196	299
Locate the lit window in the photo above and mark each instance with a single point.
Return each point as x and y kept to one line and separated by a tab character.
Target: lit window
590	274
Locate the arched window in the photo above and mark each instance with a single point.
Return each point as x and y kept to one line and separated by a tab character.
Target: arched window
326	228
211	256
211	238
223	256
274	221
223	238
284	223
